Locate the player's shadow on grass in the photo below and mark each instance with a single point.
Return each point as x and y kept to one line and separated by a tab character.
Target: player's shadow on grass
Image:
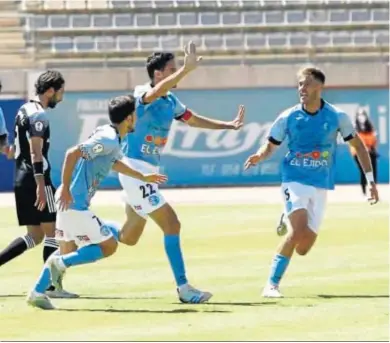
351	296
238	303
88	297
12	295
113	310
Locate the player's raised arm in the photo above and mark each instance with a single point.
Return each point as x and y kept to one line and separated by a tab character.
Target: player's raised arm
275	138
195	120
122	168
349	135
191	61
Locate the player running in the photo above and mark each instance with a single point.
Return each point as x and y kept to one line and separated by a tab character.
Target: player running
156	109
308	170
89	162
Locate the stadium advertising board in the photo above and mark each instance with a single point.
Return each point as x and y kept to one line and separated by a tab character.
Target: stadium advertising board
204	158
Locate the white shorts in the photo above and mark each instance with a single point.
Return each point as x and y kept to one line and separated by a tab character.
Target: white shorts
298	196
83	227
143	197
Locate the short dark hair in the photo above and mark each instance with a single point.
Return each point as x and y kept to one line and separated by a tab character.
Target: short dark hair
158	61
1	86
120	107
315	72
49	79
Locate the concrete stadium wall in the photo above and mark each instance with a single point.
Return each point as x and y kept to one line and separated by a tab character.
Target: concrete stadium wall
18	82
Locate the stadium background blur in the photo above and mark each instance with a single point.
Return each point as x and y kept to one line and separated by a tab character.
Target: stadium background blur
252	50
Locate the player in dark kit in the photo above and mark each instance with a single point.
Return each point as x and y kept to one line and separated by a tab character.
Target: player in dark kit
34	191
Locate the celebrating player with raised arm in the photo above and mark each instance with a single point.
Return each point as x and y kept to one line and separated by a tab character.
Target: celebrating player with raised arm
89	163
156	109
308	170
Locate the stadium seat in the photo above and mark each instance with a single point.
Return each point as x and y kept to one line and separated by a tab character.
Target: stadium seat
294	17
171	42
127	43
209	19
253	18
166	19
80	21
320	39
144	20
123	20
274	17
84	43
102	20
231	18
59	21
188	19
120	4
216	26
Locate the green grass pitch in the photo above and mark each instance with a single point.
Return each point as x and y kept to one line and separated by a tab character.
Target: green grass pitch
339	291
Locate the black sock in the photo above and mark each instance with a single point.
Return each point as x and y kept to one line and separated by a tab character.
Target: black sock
16	248
50	245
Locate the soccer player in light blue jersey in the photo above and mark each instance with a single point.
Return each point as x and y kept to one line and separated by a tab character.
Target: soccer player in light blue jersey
85	166
308	169
156	109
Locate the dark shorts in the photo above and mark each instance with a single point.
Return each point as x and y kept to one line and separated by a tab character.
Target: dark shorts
28	214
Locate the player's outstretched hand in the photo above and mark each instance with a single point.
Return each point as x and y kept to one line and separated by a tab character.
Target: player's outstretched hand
155	178
191	59
40	203
374	195
238	122
251	161
64	198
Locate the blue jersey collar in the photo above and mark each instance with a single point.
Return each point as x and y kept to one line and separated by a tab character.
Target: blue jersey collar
311	113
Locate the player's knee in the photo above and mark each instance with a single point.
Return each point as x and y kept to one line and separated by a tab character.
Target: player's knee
109	247
295	236
128	240
128	237
302	250
173	227
37	237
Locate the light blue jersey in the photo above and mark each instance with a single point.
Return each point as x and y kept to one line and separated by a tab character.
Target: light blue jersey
100	152
151	130
3	128
312	141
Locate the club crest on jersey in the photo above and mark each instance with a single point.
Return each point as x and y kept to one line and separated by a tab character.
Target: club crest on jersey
105	231
98	148
38	126
154	200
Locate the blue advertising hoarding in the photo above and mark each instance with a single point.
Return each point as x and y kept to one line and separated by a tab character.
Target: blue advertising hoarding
194	157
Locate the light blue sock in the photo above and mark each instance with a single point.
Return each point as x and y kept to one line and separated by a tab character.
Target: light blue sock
173	250
278	267
44	280
87	254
